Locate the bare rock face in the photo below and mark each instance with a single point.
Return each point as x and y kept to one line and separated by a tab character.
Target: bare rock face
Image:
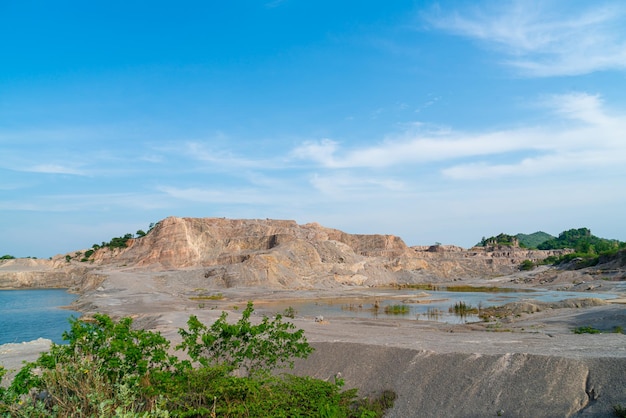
449	261
430	384
282	253
261	252
24	273
271	253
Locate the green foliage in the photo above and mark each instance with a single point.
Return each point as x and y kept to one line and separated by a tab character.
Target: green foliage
527	265
289	312
533	240
118	242
619	411
7	257
397	309
462	309
500	239
255	348
586	330
107	368
588	249
582	241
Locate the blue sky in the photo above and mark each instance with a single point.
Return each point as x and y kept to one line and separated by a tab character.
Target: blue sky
435	121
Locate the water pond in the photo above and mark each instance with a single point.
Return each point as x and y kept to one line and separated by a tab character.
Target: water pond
419	304
26	315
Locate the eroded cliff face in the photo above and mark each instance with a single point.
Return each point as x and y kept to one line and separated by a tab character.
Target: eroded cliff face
24	273
253	252
273	253
430	384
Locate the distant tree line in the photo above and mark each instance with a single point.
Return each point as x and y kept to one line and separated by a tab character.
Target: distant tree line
117	242
582	241
500	239
587	247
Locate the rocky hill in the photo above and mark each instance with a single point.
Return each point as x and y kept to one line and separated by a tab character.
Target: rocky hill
273	253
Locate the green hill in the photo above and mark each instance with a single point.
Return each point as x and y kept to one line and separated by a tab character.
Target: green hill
582	241
533	240
521	240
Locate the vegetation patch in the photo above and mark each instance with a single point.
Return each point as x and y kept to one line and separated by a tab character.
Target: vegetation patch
463	309
397	309
108	368
619	411
482	289
216	296
586	330
591	330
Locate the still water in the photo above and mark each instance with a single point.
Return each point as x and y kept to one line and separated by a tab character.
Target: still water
26	315
417	304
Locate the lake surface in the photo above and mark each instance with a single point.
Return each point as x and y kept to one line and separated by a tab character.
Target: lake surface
26	315
432	305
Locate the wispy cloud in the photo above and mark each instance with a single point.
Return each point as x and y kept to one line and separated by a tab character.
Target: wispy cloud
221	157
54	169
541	40
87	202
346	185
591	138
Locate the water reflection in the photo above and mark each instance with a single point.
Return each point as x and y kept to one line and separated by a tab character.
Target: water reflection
450	306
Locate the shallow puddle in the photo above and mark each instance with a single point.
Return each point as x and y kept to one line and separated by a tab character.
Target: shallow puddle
417	304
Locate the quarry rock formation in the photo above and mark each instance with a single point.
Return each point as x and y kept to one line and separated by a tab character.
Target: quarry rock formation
538	368
430	384
273	253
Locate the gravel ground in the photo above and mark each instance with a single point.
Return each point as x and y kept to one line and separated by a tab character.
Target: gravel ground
514	367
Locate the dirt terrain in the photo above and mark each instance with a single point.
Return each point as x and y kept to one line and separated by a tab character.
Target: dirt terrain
526	364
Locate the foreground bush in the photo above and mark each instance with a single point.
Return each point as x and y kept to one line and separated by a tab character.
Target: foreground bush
107	369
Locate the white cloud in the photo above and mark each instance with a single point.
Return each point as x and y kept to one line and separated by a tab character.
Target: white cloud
321	152
348	185
547	38
224	158
584	136
54	169
579	106
218	195
86	202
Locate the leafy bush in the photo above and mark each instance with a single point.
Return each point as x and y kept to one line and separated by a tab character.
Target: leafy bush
107	368
527	265
586	330
255	348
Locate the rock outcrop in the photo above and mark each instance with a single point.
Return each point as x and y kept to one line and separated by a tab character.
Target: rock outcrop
271	253
464	385
26	273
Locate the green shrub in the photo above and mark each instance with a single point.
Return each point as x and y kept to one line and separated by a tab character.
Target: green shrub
107	368
255	348
586	330
290	312
527	265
